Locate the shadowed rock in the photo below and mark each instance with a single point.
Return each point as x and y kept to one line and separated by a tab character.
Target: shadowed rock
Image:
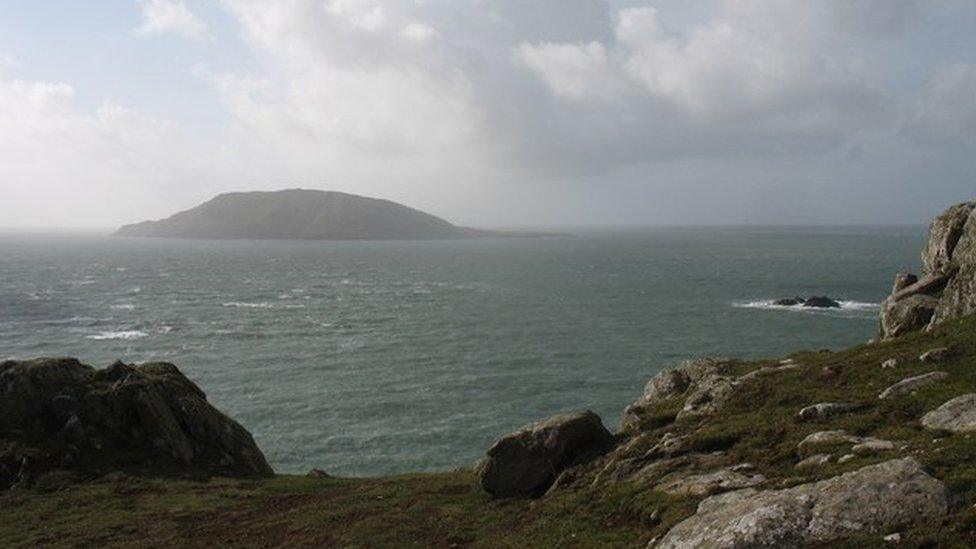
869	500
57	413
526	462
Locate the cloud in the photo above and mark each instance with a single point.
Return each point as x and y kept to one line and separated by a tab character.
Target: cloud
62	163
946	112
171	16
575	71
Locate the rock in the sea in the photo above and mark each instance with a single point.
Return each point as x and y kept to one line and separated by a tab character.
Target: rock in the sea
825	410
527	461
911	384
934	355
685	378
146	418
870	500
957	415
789	301
821	302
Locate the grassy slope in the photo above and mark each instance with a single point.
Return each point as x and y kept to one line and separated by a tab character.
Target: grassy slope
448	510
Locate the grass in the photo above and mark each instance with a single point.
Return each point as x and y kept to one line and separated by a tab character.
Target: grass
448	509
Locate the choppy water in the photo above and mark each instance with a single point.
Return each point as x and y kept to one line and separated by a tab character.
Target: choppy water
374	357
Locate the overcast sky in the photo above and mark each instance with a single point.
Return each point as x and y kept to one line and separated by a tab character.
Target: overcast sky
492	112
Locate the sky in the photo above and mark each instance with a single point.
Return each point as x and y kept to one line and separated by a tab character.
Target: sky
489	113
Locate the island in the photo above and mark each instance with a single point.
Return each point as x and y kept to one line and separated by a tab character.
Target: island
308	214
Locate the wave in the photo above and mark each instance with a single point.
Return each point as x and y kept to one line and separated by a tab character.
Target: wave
246	305
123	334
124	306
769	305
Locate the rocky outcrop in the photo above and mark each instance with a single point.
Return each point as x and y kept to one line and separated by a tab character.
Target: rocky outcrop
870	500
526	463
704	382
57	413
957	415
714	482
947	288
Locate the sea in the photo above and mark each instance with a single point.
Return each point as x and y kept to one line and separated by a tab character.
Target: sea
369	358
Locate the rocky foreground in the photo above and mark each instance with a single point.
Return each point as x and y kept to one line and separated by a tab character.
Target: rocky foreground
868	447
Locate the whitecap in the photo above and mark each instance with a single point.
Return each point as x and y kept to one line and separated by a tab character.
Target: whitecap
124	306
770	305
246	305
123	334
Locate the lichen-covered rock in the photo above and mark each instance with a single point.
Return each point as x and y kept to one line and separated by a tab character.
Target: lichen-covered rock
869	500
913	383
526	462
959	296
957	415
57	413
815	460
674	382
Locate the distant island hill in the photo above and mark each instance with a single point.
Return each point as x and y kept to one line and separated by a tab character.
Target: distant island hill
308	214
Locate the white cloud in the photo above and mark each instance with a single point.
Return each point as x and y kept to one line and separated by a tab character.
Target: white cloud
58	162
165	16
418	32
571	70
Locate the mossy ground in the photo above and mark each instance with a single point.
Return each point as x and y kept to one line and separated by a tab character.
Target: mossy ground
759	426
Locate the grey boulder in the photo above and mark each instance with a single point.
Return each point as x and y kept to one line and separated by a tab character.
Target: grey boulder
957	415
526	462
870	500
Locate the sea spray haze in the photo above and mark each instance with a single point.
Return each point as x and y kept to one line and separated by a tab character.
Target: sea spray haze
373	357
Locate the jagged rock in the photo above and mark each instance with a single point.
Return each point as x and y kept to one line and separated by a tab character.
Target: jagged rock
527	461
705	484
671	383
945	233
959	296
890	363
906	315
825	410
890	494
67	415
934	355
948	288
902	281
911	384
957	415
815	460
893	538
708	395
